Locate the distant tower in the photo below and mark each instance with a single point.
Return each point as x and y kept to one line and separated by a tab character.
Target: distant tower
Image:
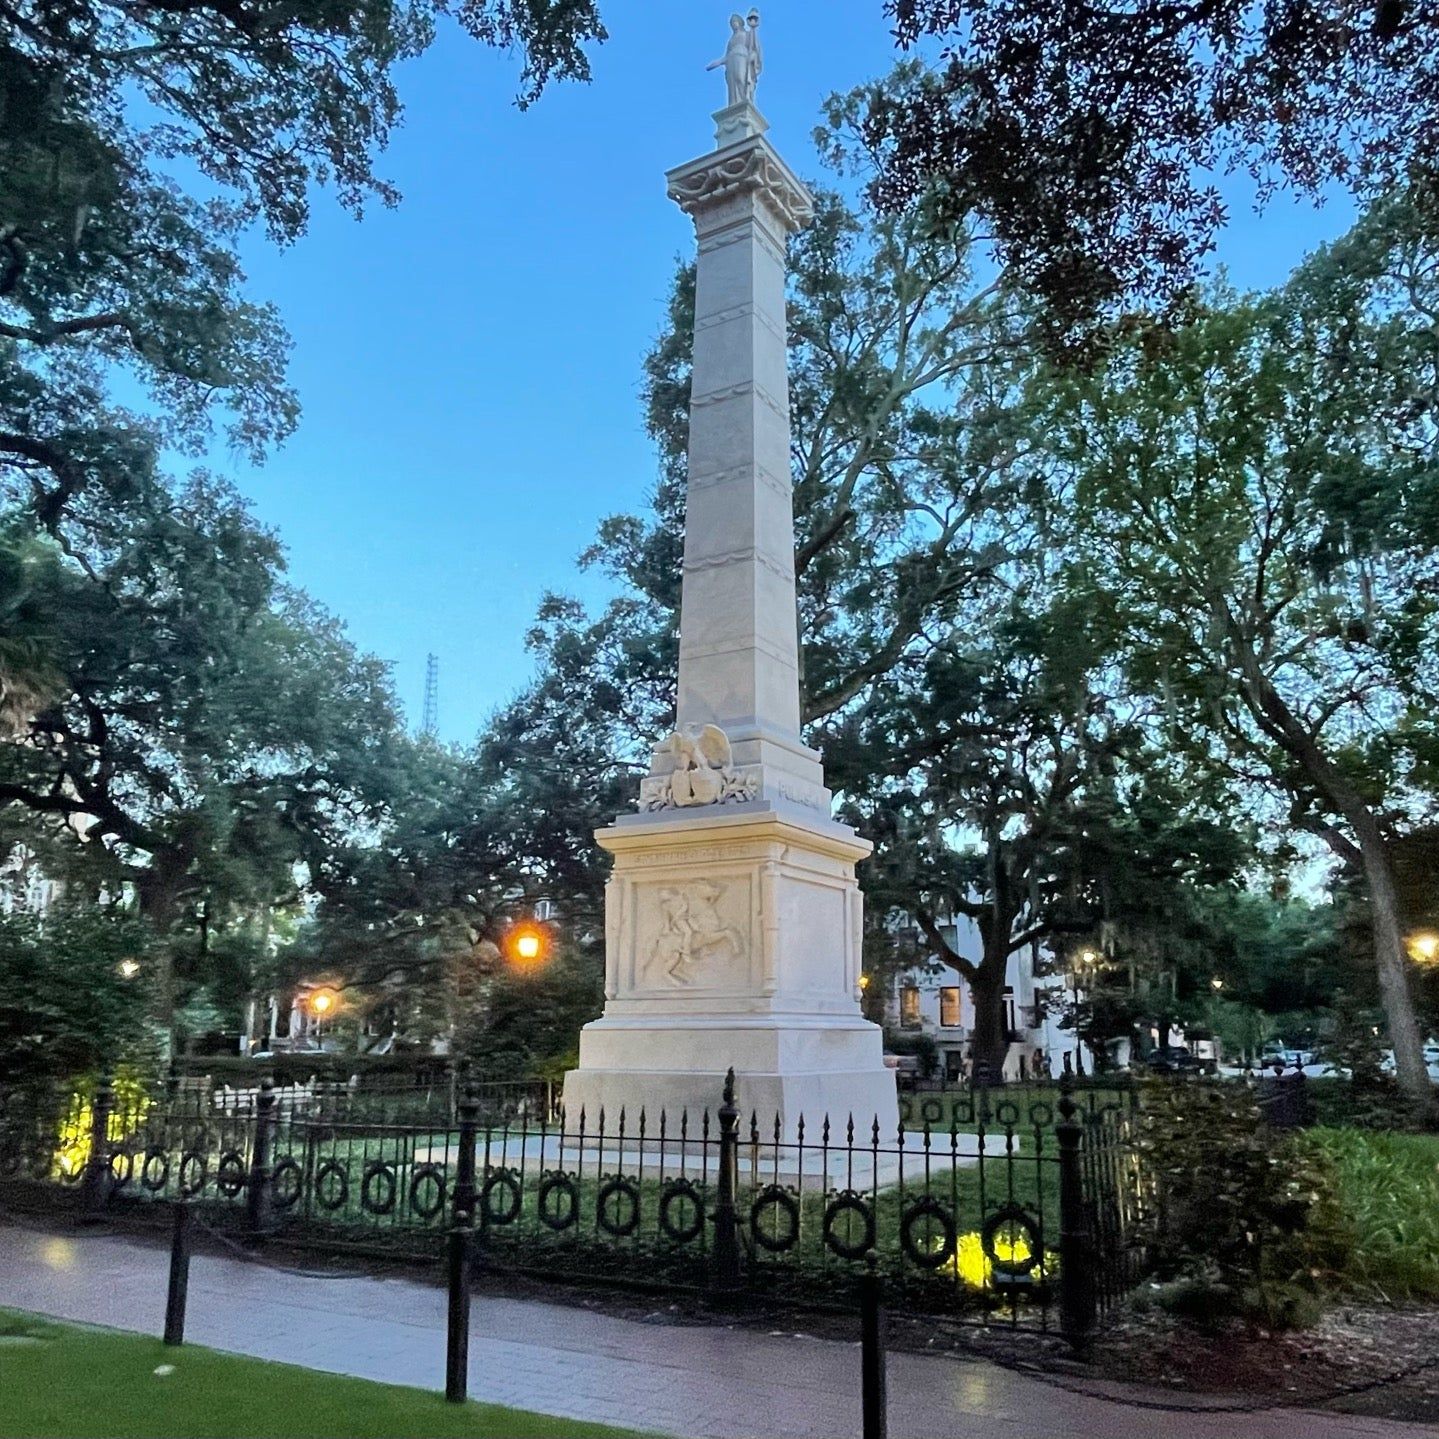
431	721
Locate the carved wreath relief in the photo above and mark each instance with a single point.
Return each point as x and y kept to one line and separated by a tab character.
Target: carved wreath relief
703	772
692	935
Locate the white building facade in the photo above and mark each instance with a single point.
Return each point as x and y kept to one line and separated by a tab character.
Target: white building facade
934	999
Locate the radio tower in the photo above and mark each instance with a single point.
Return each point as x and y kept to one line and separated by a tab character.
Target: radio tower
431	720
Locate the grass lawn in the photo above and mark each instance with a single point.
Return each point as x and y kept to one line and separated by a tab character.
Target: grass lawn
1386	1207
65	1379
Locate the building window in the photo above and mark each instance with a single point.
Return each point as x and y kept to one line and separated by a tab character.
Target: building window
909	1007
949	1007
1009	1016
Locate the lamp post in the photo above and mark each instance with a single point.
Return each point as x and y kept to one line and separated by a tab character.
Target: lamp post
322	1002
1083	982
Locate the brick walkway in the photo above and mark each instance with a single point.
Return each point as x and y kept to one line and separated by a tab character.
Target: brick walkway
702	1383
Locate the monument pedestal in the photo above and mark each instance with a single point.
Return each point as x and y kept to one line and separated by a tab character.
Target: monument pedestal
733	940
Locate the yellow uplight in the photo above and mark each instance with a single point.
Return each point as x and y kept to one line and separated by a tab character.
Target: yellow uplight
976	1268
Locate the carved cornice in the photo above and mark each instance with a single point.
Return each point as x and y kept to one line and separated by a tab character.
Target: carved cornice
753	170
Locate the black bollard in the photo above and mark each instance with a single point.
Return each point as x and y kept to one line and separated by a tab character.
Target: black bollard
457	1328
95	1186
257	1196
874	1403
179	1287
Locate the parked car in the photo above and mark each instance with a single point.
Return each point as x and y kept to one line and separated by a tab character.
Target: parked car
1176	1059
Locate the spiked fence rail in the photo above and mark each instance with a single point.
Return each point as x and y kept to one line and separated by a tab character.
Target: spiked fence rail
1028	1212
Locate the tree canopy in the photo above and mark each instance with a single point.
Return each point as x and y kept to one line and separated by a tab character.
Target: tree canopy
1089	136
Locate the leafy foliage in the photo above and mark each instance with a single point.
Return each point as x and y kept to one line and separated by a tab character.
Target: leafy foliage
66	1006
1087	136
1235	1197
1252	496
1386	1197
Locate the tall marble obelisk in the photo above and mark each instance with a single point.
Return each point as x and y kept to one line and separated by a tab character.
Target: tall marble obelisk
732	919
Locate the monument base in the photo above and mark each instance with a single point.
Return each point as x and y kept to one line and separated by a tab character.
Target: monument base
733	941
786	1068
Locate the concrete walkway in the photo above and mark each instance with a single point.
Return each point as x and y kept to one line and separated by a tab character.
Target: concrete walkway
708	1383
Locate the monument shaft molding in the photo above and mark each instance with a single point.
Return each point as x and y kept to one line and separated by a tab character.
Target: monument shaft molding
733	920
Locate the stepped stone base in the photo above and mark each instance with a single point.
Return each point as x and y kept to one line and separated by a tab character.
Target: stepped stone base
732	940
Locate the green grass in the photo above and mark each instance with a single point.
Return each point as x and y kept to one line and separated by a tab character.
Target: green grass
1385	1210
64	1379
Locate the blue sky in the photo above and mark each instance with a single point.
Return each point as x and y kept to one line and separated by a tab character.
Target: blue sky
469	363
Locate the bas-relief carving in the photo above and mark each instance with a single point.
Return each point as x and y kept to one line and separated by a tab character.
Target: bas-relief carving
693	942
702	772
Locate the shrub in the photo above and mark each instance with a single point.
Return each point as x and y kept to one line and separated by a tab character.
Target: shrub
1235	1201
1375	1103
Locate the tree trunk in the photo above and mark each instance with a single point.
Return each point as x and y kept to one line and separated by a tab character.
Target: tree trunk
989	1043
1393	967
159	891
1280	722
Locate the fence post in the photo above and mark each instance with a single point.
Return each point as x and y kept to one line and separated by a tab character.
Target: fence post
257	1196
460	1255
727	1260
179	1285
457	1326
873	1396
464	1195
97	1163
1076	1260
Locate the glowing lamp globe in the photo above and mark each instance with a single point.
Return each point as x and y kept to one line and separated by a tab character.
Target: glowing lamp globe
527	944
1424	946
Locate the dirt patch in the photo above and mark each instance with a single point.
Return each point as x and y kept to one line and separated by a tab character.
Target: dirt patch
1358	1359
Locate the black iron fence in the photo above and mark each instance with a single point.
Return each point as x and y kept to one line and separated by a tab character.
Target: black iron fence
1023	1208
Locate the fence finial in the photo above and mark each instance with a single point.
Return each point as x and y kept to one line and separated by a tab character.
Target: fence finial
1067	1107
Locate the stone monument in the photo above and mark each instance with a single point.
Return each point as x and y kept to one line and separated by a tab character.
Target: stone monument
732	918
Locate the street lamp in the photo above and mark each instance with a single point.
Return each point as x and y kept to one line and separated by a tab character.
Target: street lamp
527	944
1424	946
128	968
322	1002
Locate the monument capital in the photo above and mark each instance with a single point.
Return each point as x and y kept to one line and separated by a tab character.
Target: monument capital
749	168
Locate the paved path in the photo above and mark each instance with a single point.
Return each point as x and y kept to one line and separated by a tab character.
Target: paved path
702	1383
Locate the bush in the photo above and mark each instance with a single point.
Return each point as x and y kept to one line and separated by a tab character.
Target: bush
1236	1200
921	1045
1373	1103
